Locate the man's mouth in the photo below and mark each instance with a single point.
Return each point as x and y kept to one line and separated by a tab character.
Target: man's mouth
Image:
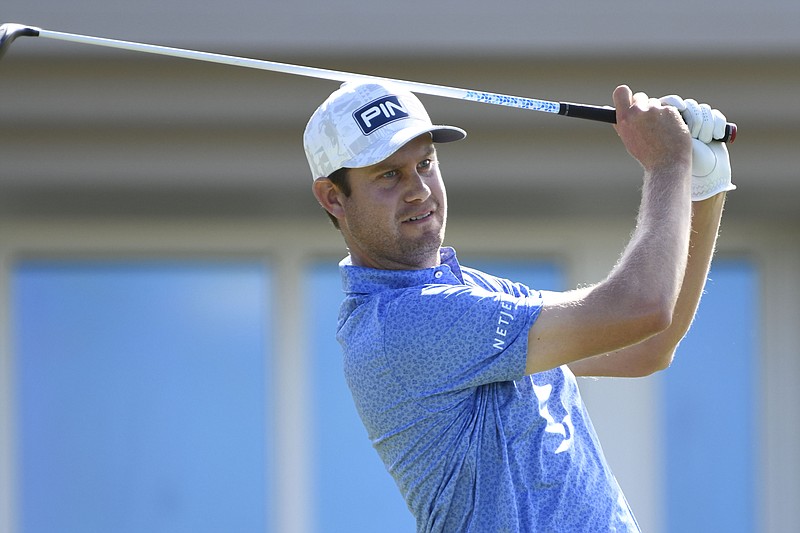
420	217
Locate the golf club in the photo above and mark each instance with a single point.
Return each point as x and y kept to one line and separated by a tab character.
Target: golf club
10	31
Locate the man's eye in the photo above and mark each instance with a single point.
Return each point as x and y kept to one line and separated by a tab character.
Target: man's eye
426	165
390	174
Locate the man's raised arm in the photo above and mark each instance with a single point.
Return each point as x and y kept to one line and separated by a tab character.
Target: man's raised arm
637	299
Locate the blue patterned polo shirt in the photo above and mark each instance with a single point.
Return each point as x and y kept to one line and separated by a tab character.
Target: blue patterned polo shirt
435	360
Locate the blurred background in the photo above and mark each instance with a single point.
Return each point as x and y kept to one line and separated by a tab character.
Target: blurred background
169	286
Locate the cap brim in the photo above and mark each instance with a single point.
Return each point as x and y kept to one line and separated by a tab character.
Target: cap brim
383	149
447	134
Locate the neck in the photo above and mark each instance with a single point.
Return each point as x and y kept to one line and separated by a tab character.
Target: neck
384	263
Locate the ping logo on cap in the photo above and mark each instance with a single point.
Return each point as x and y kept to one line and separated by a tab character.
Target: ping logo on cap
379	112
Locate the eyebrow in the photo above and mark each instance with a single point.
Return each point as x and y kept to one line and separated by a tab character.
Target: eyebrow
391	163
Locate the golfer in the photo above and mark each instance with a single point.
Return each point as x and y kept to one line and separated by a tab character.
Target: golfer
465	381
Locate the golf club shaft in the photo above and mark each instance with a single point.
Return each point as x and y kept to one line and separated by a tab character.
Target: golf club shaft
313	72
591	112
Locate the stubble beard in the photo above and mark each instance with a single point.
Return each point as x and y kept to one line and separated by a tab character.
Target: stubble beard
396	251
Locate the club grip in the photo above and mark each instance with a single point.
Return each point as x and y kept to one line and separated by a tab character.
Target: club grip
609	115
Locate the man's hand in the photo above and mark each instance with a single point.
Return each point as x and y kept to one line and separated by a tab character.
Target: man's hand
654	134
711	167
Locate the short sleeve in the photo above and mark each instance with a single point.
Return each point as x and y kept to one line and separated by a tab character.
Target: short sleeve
444	338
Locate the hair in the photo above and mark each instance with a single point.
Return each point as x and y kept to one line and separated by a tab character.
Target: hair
339	179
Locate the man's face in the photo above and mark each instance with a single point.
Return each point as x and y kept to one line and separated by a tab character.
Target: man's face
396	213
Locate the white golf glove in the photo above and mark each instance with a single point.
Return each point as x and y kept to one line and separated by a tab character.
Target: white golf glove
711	166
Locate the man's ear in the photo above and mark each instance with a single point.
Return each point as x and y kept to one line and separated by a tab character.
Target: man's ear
329	197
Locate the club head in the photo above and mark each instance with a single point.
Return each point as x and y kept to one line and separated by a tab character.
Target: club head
10	31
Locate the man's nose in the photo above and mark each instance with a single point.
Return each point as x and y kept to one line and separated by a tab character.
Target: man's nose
418	188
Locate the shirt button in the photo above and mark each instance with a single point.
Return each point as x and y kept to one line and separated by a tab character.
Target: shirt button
438	274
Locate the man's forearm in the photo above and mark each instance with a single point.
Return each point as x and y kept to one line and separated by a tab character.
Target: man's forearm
656	353
655	259
706	217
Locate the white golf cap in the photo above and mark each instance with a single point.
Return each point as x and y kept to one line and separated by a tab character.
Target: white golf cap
361	124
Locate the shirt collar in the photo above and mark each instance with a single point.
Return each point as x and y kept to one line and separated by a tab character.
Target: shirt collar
363	280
